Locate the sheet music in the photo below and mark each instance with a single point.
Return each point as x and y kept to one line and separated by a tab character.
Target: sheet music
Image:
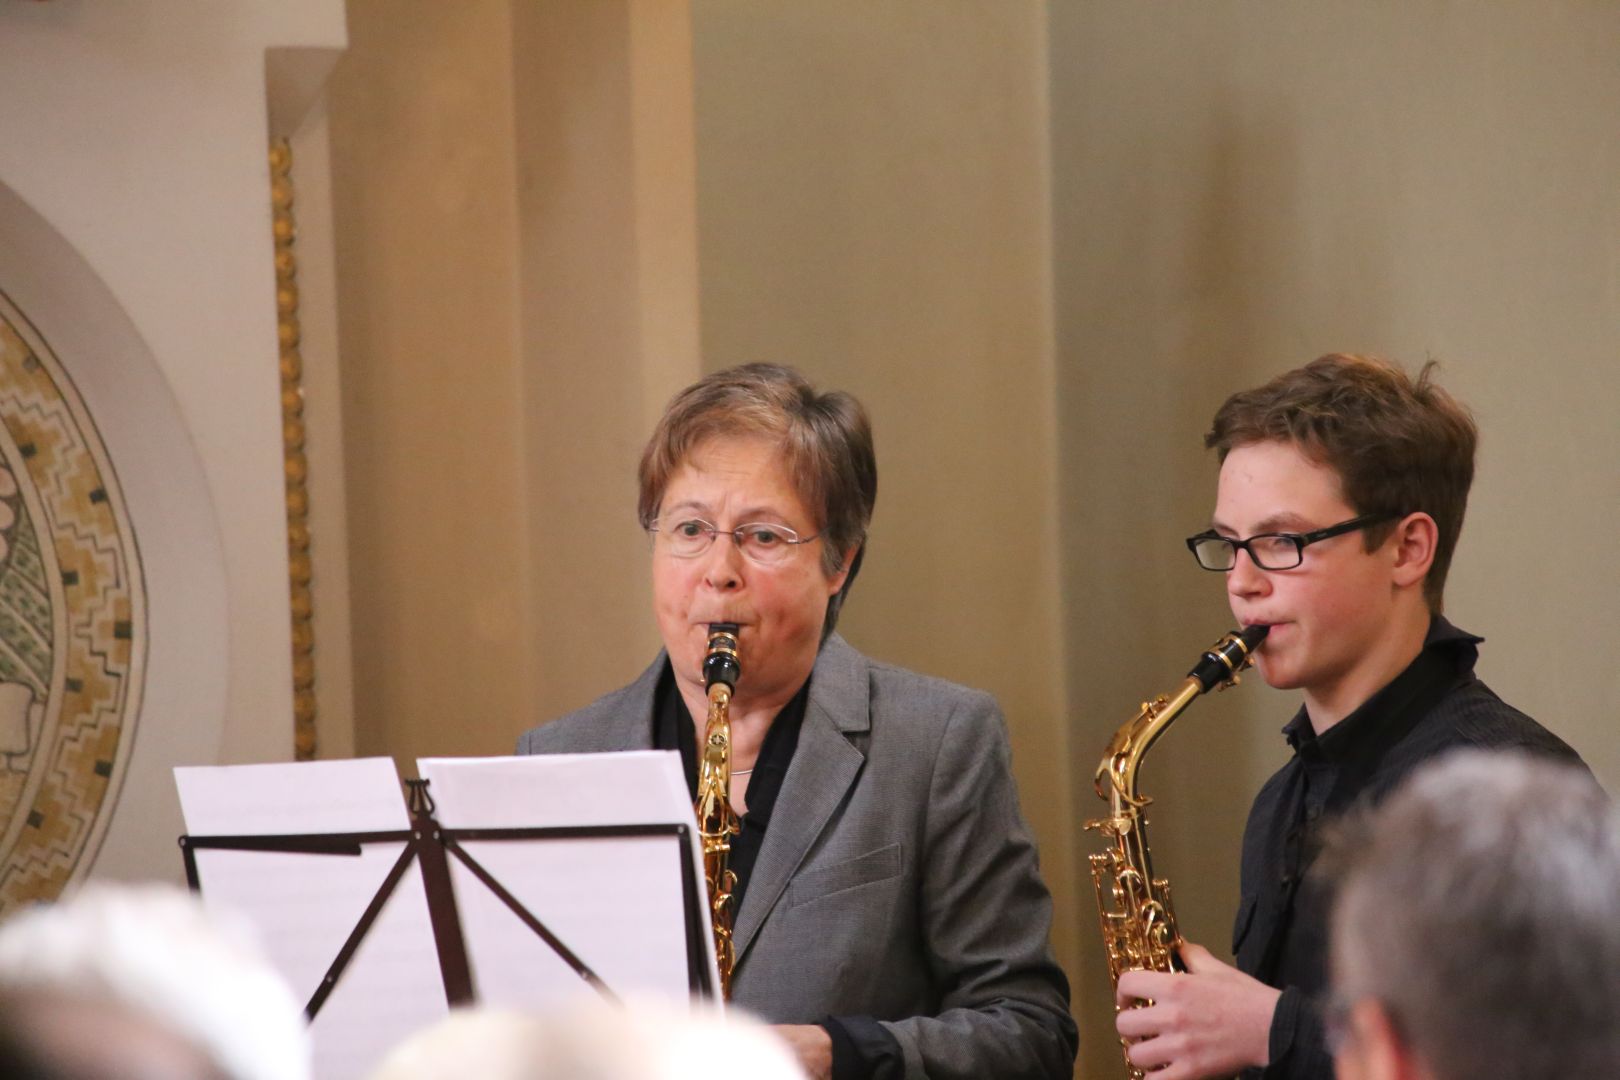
306	905
615	902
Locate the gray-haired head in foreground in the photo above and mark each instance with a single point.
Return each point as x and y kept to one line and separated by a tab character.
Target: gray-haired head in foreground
1480	908
134	980
592	1040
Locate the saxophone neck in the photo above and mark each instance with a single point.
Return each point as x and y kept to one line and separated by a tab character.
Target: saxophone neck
1116	774
715	753
1218	667
720	671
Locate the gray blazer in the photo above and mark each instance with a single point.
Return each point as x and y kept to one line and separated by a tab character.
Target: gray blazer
897	880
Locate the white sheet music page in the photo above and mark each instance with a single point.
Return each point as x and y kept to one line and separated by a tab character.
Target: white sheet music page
305	906
616	902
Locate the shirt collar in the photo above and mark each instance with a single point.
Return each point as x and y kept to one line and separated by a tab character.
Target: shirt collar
1447	652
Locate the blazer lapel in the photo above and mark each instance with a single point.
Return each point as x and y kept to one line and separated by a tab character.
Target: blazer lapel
824	766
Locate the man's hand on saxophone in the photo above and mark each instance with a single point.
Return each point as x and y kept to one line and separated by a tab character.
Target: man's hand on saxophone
1210	1021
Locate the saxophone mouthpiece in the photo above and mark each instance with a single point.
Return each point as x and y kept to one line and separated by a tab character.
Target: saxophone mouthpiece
720	661
1252	636
1228	656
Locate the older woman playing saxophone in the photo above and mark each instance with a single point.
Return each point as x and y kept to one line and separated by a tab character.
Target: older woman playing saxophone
889	912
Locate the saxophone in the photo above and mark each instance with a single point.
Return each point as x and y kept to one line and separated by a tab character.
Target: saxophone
717	821
1138	925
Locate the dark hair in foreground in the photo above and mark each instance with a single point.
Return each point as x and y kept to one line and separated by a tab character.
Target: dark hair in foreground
1399	445
1479	907
825	440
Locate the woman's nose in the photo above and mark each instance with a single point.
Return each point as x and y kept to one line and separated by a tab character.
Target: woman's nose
722	568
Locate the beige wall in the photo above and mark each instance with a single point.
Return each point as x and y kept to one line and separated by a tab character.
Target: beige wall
1042	243
515	243
872	207
421	120
1244	186
609	320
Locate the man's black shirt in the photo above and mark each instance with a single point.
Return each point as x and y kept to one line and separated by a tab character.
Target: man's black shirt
1280	935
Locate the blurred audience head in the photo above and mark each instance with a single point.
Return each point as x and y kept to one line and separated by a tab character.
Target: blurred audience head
1476	930
593	1041
138	983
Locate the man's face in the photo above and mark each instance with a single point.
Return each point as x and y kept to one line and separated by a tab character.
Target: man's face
1327	614
727	482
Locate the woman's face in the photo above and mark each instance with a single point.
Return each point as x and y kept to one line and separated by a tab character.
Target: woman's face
730	481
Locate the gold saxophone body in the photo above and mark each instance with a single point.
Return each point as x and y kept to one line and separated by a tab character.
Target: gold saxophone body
1138	923
717	821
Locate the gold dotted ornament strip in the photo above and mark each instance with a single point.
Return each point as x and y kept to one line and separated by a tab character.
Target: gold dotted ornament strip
296	465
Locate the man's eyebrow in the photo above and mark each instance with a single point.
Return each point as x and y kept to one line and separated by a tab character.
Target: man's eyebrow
1284	522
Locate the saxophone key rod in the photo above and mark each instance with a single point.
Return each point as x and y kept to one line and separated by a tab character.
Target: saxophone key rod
717	818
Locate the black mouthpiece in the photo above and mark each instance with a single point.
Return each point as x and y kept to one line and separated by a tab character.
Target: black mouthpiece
1227	657
720	662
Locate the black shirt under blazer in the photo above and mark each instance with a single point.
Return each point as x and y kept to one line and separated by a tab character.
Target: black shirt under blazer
898	879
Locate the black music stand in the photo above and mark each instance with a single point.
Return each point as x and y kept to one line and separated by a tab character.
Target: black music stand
427	842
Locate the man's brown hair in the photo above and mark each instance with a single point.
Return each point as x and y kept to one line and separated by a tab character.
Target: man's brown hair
1399	445
825	440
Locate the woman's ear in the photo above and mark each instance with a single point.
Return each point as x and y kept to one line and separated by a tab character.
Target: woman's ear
836	581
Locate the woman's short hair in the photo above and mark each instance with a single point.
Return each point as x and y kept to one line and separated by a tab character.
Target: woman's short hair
1398	444
825	440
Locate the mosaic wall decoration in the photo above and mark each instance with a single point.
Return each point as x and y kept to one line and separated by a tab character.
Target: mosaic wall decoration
72	624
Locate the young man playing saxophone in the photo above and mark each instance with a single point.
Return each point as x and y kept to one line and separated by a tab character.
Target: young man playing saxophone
1341	495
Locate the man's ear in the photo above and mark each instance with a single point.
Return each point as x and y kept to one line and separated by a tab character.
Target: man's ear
1414	542
1379	1051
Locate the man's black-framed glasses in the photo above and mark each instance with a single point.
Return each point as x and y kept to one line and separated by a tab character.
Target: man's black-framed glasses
1271	551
